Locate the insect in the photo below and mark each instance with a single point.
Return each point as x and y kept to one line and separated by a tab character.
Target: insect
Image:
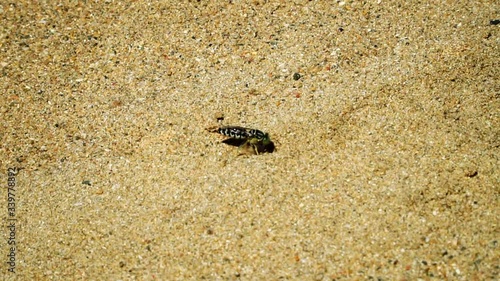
252	141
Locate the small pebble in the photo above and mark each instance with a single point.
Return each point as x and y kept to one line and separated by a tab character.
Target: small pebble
471	173
219	116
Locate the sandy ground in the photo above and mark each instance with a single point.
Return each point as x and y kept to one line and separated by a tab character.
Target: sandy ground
385	116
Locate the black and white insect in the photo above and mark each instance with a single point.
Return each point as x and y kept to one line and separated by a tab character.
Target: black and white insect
252	140
237	132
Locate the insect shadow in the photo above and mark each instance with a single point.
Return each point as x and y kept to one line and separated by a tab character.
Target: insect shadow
269	147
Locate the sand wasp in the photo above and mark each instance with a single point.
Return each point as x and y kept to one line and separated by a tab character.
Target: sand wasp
251	141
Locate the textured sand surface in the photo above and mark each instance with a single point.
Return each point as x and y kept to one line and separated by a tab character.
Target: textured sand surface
387	137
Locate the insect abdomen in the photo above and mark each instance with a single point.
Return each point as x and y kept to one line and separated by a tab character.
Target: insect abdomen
234	132
241	133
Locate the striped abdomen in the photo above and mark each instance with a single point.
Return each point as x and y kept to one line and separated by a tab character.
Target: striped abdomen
236	132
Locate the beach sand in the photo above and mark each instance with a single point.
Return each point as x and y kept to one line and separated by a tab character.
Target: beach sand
385	116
